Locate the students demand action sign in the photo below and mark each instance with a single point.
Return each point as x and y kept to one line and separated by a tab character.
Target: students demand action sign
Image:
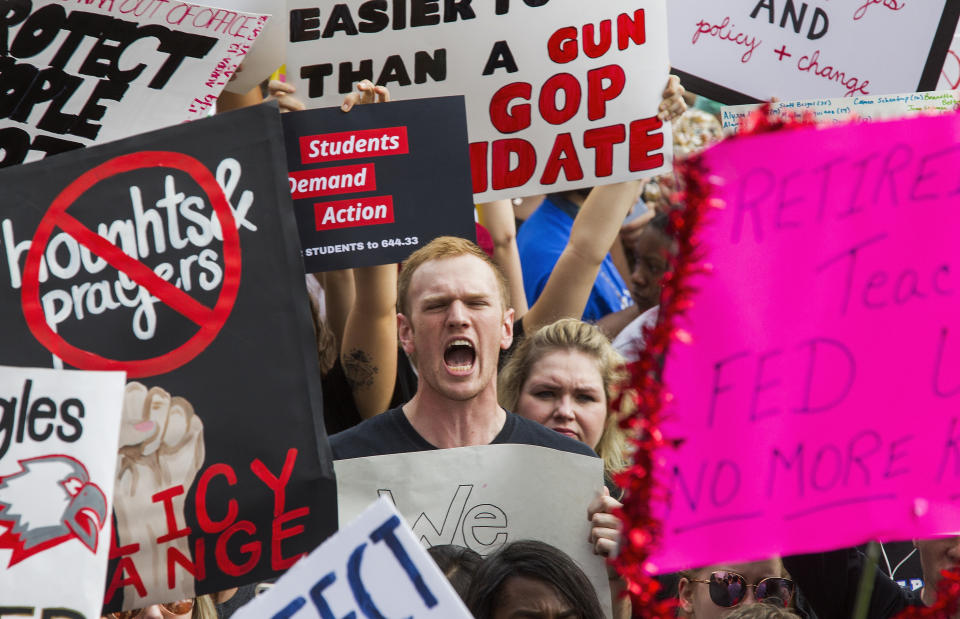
174	256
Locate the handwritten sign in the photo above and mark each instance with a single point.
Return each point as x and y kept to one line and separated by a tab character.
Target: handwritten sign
374	566
56	489
842	110
818	399
559	96
950	75
366	185
80	73
266	53
737	51
160	255
473	497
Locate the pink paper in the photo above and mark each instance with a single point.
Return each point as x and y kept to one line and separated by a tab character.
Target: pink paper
819	400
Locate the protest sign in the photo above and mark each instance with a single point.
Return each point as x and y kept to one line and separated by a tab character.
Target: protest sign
560	95
817	396
372	186
473	497
57	432
844	109
738	51
374	566
173	256
79	73
266	53
950	74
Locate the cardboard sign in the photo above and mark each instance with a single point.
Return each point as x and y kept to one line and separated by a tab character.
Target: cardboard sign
738	51
371	186
56	488
87	72
818	399
843	110
473	497
560	95
170	255
373	566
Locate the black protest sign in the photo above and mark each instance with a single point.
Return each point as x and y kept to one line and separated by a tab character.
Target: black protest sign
372	185
78	73
173	256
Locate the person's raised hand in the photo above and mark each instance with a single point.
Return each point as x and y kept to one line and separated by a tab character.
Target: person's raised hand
367	92
672	105
282	93
605	527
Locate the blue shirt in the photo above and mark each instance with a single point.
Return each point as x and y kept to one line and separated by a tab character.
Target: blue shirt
542	238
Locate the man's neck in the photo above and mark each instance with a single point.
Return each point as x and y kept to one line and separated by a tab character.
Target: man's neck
446	423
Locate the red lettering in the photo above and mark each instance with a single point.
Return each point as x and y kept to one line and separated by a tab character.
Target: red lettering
503	176
562	157
628	29
278	534
590	47
562	45
642	142
251	549
601	140
166	496
277	484
597	95
478	166
507	120
125	566
571	98
207	523
197	568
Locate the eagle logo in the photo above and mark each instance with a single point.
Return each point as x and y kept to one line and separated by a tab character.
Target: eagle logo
50	500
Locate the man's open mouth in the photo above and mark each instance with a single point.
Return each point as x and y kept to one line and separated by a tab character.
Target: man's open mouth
459	357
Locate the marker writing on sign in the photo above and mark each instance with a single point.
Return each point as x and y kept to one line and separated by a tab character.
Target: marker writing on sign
36	419
384	533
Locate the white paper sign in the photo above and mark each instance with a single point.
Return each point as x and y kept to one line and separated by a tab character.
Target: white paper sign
484	497
841	110
90	71
58	435
266	53
950	74
560	95
799	50
372	567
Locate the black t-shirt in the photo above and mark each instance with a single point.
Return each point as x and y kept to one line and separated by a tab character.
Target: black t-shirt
830	581
391	433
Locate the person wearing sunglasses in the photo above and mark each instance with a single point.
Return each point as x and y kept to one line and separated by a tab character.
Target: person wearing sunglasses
193	608
715	591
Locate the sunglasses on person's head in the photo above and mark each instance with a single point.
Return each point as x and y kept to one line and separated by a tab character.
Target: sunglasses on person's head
729	588
169	609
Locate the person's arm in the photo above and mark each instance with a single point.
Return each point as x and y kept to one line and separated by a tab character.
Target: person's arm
369	351
232	101
339	294
612	324
498	219
605	538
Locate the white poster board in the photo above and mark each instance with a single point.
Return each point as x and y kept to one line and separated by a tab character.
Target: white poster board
841	110
58	432
266	53
93	72
735	50
484	497
372	564
560	95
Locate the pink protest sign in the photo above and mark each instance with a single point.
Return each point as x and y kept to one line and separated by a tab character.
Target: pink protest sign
818	401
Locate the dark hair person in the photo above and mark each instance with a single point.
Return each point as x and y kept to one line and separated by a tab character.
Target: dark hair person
458	564
532	579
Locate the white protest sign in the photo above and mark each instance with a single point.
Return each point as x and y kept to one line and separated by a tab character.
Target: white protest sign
841	110
373	566
92	71
560	95
58	435
950	74
266	53
474	497
735	50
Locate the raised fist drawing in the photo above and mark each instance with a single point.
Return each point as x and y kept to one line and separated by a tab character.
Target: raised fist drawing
161	447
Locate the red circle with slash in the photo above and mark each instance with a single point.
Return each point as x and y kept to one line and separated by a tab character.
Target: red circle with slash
209	320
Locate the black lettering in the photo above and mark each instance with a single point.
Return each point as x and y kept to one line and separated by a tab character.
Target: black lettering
71	420
399	15
745	204
819	459
177	46
62	87
348	77
826	194
856	456
340	20
784	203
815	344
14	143
457	9
394	71
937	389
950	449
435	66
24	402
424	13
60	613
923	175
42	408
502	7
894	455
819	15
16	610
16	79
875	281
862	164
305	24
943	269
764	4
717	387
92	110
734	486
8	417
779	456
314	75
38	31
760	386
677	478
791	11
850	254
901	293
373	16
12	12
889	170
500	58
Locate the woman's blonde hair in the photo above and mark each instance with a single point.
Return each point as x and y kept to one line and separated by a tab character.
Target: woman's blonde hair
204	608
572	334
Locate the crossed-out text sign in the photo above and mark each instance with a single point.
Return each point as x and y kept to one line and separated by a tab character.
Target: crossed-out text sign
818	396
374	566
560	95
